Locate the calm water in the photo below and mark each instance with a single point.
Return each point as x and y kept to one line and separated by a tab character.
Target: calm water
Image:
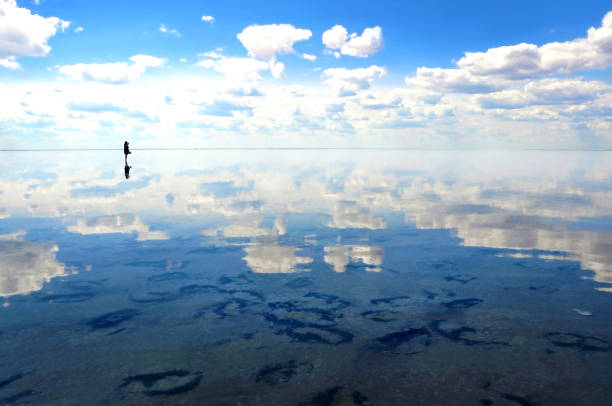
306	277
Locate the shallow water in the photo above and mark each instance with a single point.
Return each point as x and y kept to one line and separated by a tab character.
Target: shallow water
306	277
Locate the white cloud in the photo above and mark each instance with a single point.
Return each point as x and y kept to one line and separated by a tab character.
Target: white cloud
10	63
25	34
337	38
214	54
171	31
453	80
237	68
266	41
224	108
147	60
114	72
497	68
277	69
208	19
79	29
350	81
309	57
528	60
545	92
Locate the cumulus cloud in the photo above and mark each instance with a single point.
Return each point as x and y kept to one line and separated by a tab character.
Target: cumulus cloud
277	69
208	19
224	108
497	68
114	72
528	60
25	34
96	107
236	68
347	82
545	92
245	90
79	29
172	31
452	80
268	41
364	45
9	63
309	57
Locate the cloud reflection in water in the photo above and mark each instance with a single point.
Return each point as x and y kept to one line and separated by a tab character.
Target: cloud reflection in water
558	204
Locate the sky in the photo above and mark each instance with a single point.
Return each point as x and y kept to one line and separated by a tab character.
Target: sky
392	74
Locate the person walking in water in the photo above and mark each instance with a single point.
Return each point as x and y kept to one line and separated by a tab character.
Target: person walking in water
126	150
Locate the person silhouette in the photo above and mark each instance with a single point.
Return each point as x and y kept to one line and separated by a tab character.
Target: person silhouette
126	150
127	171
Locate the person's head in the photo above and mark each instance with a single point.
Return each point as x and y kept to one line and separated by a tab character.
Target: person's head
126	142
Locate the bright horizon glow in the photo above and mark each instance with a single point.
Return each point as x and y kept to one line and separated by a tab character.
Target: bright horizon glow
479	75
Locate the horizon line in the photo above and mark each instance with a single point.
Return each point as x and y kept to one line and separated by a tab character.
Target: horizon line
605	149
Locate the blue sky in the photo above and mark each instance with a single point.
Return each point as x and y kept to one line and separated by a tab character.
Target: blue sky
277	73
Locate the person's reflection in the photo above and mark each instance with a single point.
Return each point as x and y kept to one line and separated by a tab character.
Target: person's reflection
127	171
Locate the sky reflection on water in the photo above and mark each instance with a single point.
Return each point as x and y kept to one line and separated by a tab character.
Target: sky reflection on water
326	272
548	205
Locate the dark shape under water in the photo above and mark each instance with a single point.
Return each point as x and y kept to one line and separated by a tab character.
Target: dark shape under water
168	276
275	374
291	309
227	308
461	278
309	332
11	379
325	398
298	283
81	285
521	401
154	297
586	343
331	300
460	334
396	339
281	373
68	297
381	316
247	293
463	303
150	380
337	396
197	289
112	319
508	396
394	300
236	280
18	396
544	289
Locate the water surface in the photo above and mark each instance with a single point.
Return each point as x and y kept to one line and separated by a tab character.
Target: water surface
306	277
